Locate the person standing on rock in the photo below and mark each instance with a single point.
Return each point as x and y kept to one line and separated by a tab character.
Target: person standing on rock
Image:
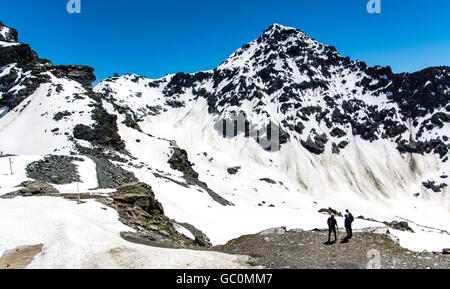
350	234
332	227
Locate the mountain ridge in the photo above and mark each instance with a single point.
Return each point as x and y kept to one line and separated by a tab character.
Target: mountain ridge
349	135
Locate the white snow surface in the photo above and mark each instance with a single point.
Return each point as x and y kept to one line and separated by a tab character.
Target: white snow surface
87	236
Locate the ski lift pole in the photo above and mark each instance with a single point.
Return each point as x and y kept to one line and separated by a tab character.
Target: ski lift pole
78	191
10	166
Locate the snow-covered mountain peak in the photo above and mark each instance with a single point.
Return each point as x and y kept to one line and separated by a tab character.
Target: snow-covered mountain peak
316	96
278	43
8	36
278	32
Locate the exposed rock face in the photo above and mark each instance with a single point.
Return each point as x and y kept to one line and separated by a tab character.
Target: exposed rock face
402	226
80	73
7	34
431	184
11	50
140	195
179	161
200	237
32	188
268	180
104	133
233	170
330	211
28	84
316	146
139	209
20	54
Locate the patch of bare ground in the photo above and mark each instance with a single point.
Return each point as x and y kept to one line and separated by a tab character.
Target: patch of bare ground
298	249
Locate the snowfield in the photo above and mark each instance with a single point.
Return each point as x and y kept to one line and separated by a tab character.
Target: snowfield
93	232
87	236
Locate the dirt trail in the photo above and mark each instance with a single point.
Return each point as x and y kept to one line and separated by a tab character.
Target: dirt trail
307	249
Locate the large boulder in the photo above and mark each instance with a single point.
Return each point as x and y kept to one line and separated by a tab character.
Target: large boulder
138	195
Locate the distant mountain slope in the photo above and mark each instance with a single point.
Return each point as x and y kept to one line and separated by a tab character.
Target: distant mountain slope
349	135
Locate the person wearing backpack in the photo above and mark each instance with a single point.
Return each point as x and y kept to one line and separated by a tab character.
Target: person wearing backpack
351	219
332	227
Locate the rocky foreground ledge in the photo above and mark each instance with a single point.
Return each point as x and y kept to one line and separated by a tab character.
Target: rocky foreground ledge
297	249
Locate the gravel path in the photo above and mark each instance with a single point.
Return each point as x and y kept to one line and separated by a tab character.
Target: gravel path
307	249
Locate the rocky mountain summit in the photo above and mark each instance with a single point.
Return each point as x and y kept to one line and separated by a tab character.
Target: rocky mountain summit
321	98
282	128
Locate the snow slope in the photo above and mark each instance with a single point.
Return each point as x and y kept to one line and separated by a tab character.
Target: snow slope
87	236
305	88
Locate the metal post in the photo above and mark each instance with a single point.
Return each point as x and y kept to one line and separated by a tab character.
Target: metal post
78	191
10	166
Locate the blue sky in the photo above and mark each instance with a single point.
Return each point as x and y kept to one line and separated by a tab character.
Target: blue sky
154	38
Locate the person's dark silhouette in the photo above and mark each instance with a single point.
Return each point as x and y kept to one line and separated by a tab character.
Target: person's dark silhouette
350	233
348	226
332	227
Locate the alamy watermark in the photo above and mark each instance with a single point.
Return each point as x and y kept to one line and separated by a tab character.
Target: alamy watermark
73	6
374	6
374	257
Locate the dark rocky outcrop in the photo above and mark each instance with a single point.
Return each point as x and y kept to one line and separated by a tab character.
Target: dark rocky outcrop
431	185
20	54
32	188
401	226
54	170
200	237
139	209
330	211
104	133
179	161
268	180
233	170
14	51
316	143
60	115
80	73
